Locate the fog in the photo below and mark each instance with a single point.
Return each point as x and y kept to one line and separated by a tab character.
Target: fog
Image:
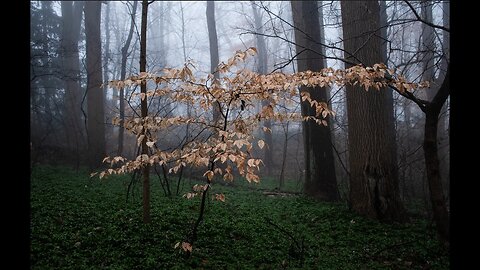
379	152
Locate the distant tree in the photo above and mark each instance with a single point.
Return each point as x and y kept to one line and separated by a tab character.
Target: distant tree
95	97
71	22
320	178
262	65
427	47
123	72
106	71
374	190
44	40
213	44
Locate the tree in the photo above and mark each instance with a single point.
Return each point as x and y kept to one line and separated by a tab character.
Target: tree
320	178
374	190
95	101
71	21
123	73
432	110
232	142
428	49
106	60
144	113
213	43
262	65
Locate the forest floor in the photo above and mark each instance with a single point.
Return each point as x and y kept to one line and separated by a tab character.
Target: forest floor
78	222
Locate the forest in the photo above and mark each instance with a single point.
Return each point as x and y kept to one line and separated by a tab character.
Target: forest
239	134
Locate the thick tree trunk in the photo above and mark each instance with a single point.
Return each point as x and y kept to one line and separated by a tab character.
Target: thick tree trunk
95	102
262	65
214	59
144	113
320	179
71	19
374	190
123	72
432	112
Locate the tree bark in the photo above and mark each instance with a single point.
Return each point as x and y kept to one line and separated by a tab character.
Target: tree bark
123	72
428	48
108	115
320	178
432	112
214	59
443	134
144	113
95	102
374	190
262	65
71	20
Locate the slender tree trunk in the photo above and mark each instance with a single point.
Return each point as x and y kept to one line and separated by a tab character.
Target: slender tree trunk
144	113
184	50
95	102
432	111
428	48
163	19
443	135
108	115
262	65
123	72
320	178
71	19
184	46
214	59
374	190
284	158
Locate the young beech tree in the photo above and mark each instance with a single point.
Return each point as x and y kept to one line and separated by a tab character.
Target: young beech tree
229	141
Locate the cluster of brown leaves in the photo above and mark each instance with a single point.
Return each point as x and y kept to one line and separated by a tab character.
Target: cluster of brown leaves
238	90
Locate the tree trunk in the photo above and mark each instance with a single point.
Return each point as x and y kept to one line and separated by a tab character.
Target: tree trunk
320	179
432	111
214	59
383	31
123	72
374	190
184	46
262	65
184	50
95	102
71	19
109	126
443	135
428	48
144	113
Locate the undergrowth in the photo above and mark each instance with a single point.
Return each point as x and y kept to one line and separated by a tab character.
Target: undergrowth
82	223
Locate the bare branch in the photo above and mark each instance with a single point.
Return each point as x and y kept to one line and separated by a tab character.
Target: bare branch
425	22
